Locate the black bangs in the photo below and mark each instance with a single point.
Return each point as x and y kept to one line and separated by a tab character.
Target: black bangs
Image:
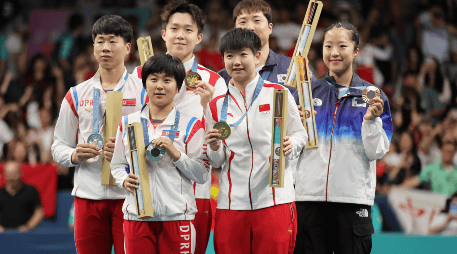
164	63
237	38
113	24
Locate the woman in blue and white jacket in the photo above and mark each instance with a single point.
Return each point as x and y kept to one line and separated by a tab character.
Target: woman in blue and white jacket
335	183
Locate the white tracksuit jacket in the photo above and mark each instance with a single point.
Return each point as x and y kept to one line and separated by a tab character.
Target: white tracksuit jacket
188	102
74	126
244	180
170	182
343	168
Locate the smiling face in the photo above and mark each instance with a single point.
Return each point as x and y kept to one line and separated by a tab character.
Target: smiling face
240	65
338	51
181	35
256	22
110	50
161	89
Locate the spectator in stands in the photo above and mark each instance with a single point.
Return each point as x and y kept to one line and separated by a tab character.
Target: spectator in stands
285	30
20	206
428	148
441	175
410	163
445	223
407	102
430	96
71	43
6	134
435	33
413	60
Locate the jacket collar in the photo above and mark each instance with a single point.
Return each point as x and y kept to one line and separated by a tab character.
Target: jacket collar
355	81
272	60
248	91
120	83
170	120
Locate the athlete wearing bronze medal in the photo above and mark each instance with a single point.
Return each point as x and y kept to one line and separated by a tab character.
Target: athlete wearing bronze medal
335	183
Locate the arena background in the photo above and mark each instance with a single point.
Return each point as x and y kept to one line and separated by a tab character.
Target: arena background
408	48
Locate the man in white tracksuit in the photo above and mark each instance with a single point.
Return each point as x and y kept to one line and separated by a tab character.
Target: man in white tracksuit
98	215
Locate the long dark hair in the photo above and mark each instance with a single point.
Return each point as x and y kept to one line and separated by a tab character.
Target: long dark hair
439	80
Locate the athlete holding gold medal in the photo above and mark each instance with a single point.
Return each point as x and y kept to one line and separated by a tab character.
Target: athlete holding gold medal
241	139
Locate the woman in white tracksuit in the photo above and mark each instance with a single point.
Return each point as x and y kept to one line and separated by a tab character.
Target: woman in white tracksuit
335	183
251	217
171	172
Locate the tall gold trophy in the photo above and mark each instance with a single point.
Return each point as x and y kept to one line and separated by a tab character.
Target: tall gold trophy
139	168
113	117
278	162
297	76
144	48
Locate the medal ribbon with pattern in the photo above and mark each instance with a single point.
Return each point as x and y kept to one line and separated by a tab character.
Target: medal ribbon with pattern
171	135
223	120
96	124
368	92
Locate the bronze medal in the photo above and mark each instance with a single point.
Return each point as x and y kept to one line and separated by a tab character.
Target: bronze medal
223	128
371	93
190	79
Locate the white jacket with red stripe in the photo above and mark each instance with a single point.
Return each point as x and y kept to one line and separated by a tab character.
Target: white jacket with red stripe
170	182
74	125
188	102
244	180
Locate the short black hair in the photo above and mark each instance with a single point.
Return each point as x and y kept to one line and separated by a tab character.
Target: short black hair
348	26
182	6
113	24
164	63
239	38
252	6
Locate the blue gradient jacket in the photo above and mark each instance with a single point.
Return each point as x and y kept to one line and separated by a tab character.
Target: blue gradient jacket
277	65
343	167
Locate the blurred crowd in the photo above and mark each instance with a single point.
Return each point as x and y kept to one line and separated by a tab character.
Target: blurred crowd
408	48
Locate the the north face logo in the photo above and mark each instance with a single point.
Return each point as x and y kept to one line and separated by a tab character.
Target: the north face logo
317	102
362	213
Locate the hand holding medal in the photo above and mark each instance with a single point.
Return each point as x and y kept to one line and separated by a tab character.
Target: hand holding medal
372	96
191	78
157	148
213	139
84	152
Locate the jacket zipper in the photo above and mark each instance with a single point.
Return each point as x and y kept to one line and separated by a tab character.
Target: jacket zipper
331	144
252	151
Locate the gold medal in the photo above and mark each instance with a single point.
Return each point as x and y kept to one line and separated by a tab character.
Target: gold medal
371	93
190	79
223	128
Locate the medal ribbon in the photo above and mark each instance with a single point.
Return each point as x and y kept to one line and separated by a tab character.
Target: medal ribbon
171	135
349	91
96	112
194	67
257	90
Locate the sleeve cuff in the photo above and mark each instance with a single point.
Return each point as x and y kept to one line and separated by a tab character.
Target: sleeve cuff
121	182
374	121
180	162
71	164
